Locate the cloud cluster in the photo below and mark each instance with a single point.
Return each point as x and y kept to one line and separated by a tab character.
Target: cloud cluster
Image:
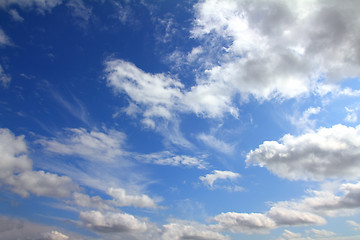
326	153
276	217
277	49
16	171
179	230
112	222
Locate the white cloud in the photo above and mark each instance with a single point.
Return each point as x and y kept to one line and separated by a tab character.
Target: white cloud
290	235
181	230
272	49
351	114
157	93
41	183
290	217
16	170
244	222
15	15
40	5
122	198
354	224
215	143
5	79
325	153
95	145
55	235
95	202
304	122
80	11
167	158
322	233
109	222
4	40
216	175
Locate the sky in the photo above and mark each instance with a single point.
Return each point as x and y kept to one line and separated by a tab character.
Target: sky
179	120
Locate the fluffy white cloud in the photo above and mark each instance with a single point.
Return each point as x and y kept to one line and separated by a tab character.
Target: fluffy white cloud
16	170
276	217
210	178
167	158
122	198
94	145
291	217
181	230
112	222
277	48
157	93
325	153
244	222
41	183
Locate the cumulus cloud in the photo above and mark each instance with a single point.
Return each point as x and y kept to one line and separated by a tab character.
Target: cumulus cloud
181	230
16	170
211	178
91	145
110	222
122	198
325	153
276	217
322	233
244	222
274	49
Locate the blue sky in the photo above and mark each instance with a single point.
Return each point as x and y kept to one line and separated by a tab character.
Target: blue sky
179	119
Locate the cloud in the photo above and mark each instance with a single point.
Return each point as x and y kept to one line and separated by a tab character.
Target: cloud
111	222
14	229
211	178
290	217
244	222
261	223
215	143
105	146
181	230
121	198
16	171
157	93
5	79
321	233
40	5
15	15
80	12
304	122
167	158
325	153
4	40
355	225
55	235
41	183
